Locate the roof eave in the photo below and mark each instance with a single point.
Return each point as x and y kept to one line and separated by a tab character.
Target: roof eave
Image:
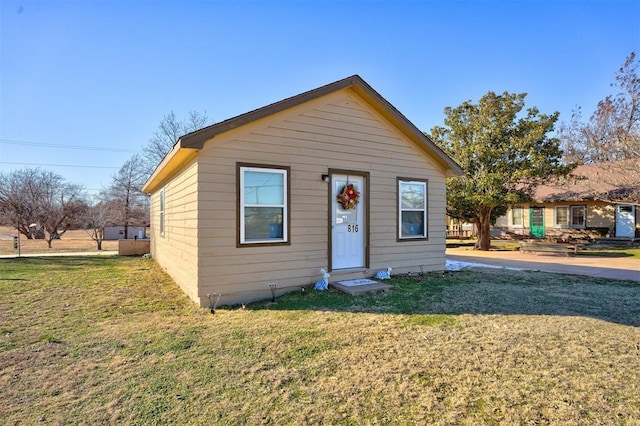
175	159
189	144
450	166
198	138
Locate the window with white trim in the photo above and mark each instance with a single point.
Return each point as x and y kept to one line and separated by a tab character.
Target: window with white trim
561	217
578	216
570	216
517	217
161	227
263	204
412	209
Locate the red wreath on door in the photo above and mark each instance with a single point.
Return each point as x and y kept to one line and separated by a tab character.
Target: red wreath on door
349	196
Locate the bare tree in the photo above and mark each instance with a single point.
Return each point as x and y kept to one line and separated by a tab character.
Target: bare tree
168	132
97	217
17	192
39	203
613	131
572	136
128	205
63	205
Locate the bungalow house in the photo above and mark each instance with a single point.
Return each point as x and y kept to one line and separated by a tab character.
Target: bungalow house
333	178
595	200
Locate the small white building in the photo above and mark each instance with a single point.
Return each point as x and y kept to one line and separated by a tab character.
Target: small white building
117	233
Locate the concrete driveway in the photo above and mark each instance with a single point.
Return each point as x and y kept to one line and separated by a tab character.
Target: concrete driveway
619	268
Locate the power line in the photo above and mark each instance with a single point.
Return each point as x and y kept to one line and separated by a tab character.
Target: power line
58	165
51	145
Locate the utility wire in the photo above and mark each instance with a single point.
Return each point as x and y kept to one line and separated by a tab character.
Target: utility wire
51	145
58	165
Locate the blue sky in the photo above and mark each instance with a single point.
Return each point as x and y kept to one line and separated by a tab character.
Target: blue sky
98	76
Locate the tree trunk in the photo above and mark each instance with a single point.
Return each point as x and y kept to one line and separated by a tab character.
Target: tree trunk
483	222
99	244
24	230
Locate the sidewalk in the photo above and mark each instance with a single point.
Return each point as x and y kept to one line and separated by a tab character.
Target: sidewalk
619	268
79	253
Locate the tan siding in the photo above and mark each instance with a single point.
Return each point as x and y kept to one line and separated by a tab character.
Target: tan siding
549	217
176	250
339	131
601	215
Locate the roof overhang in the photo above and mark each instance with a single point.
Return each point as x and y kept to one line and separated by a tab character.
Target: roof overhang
174	160
188	145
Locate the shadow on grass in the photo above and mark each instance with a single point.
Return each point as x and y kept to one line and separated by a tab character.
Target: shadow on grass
485	292
457	245
604	253
505	247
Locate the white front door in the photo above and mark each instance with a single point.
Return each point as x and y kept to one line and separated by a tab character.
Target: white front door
347	225
625	221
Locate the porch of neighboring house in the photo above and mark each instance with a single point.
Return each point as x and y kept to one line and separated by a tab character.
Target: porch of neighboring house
458	229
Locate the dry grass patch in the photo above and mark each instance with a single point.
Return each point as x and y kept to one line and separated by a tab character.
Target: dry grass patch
71	242
108	340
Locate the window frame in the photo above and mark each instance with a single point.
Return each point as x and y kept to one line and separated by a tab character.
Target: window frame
285	171
511	223
162	212
569	212
425	210
566	224
584	216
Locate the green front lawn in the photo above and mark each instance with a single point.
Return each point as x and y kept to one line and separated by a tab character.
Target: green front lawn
113	340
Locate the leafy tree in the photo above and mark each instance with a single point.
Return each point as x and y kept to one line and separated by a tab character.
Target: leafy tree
39	203
127	204
167	134
505	154
613	131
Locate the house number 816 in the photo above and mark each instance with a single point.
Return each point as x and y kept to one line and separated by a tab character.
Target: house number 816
352	228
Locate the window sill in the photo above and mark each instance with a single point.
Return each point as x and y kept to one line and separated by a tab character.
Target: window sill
263	243
405	239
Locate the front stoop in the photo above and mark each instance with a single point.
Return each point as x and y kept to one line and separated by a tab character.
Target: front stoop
361	286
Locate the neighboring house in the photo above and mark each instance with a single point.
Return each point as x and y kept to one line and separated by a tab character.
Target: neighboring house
458	228
117	232
250	205
595	200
